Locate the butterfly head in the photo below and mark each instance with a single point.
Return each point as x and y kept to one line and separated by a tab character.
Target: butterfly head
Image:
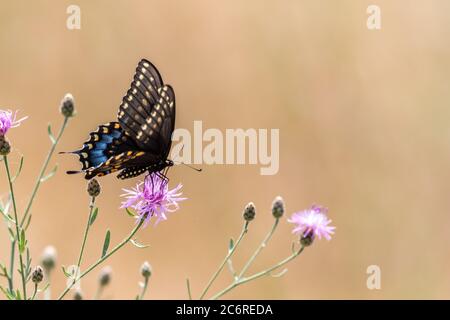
169	163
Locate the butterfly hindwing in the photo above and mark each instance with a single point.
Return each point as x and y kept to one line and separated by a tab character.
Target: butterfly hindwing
101	145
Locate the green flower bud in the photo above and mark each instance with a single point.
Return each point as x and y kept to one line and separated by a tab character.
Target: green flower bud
5	147
93	188
307	240
278	207
146	270
38	275
67	106
48	259
249	212
78	295
105	276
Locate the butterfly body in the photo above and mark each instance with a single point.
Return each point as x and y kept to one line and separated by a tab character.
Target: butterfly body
140	140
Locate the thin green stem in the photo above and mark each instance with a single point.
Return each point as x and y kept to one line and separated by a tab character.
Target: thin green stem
83	244
188	286
224	262
86	232
47	292
99	261
35	291
259	249
43	170
16	223
33	194
144	288
98	293
258	275
11	267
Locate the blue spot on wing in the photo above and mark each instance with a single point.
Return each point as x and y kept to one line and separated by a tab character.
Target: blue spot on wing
102	144
99	153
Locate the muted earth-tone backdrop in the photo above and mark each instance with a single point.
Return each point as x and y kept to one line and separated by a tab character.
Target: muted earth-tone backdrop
364	130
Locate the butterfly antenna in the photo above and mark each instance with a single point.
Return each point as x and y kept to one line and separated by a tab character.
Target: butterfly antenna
193	168
187	165
177	162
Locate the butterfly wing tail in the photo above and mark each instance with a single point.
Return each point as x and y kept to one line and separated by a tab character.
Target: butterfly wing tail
107	141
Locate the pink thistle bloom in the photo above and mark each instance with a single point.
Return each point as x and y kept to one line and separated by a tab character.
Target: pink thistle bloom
312	222
8	121
152	198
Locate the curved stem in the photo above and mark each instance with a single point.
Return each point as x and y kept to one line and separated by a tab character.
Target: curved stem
188	287
98	293
35	291
86	232
99	261
33	194
16	223
47	292
43	169
144	289
258	250
258	275
224	262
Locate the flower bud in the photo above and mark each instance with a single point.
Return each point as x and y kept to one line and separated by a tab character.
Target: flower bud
249	212
68	106
78	295
146	270
37	275
93	188
307	239
278	207
48	259
105	276
5	147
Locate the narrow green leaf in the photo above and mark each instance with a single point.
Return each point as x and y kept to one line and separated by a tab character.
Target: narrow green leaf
18	296
93	217
231	245
130	213
7	216
50	174
50	134
4	271
8	294
18	170
280	274
67	274
22	241
44	288
106	243
139	245
4	209
27	224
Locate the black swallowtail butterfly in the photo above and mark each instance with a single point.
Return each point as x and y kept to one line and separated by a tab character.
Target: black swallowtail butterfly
140	140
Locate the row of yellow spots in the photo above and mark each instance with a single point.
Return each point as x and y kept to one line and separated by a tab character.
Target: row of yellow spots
130	154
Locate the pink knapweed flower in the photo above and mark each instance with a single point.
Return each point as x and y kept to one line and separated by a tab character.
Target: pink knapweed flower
152	198
312	222
8	120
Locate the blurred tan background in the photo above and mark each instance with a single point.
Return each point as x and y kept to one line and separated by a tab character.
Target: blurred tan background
364	130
